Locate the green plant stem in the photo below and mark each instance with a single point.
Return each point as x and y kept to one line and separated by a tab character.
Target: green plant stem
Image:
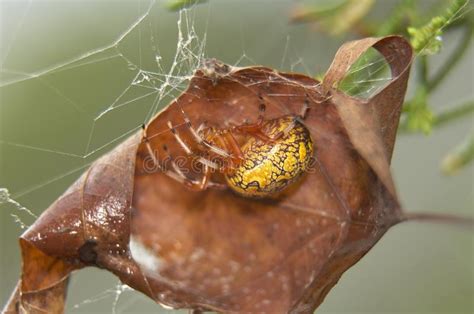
423	71
453	59
397	21
459	22
444	117
458	112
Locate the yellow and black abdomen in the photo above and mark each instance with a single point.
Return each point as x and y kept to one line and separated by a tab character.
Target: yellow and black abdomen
269	167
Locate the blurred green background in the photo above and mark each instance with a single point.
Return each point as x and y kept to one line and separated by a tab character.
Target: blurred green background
415	268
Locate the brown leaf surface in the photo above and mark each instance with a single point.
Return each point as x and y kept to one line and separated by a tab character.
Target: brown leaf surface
214	249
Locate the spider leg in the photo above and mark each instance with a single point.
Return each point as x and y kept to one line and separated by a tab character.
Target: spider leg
205	182
179	176
179	139
285	132
231	143
188	150
228	141
170	174
305	109
200	185
195	185
257	125
261	111
200	140
300	118
256	128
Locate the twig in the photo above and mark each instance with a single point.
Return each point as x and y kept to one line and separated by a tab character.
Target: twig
465	222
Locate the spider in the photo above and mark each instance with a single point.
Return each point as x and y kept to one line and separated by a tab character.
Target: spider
272	155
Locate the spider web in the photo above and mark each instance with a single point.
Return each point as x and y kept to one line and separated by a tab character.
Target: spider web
96	94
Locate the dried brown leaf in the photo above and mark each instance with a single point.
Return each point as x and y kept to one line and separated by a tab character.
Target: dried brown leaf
215	250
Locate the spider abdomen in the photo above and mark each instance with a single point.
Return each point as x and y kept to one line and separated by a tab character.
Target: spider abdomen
270	166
